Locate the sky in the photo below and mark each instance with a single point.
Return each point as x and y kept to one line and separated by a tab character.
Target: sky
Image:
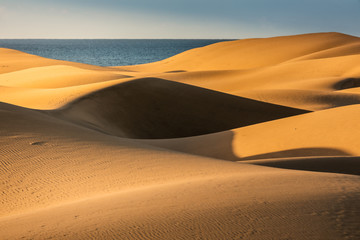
188	19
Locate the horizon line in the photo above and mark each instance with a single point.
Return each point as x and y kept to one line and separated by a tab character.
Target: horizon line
119	38
253	37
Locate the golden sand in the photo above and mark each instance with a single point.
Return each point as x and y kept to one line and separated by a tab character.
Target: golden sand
246	139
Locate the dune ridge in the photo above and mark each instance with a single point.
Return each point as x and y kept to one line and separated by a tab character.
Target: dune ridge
245	139
156	108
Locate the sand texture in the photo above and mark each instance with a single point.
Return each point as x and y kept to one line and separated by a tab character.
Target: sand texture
246	139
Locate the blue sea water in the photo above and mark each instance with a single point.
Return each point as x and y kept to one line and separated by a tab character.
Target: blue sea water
106	52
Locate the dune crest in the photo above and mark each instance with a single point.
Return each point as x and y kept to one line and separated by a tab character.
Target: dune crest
156	108
249	53
245	139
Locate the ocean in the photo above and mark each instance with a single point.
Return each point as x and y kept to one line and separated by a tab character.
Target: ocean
106	52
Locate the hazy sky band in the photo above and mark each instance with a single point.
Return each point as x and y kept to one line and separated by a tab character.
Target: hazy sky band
175	18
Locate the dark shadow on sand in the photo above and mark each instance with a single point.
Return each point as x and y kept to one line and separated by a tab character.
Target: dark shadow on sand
347	165
298	152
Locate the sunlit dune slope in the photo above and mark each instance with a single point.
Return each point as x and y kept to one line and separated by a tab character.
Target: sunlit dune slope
56	76
53	98
250	53
254	204
13	60
156	108
316	74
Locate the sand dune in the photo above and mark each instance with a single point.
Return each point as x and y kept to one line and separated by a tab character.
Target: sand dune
322	133
248	53
13	60
318	74
305	99
55	76
53	98
347	165
156	108
242	206
246	139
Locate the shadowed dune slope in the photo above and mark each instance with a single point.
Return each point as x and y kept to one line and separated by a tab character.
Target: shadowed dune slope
329	132
304	99
347	165
156	108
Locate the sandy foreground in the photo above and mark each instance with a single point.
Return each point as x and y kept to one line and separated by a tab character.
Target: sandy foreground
247	139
